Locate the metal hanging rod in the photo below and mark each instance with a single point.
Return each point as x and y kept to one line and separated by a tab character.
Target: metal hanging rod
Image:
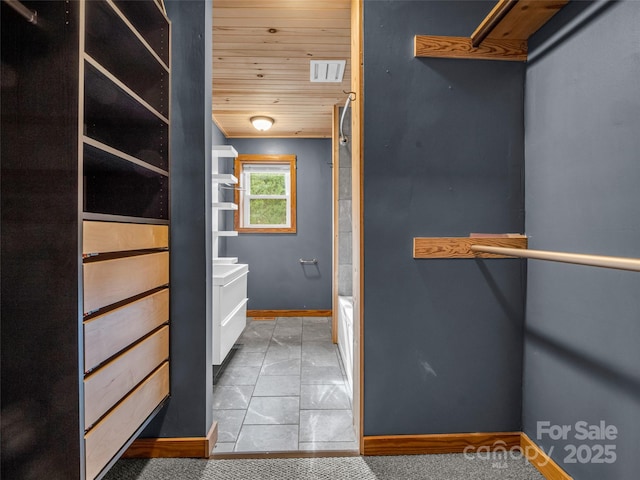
619	263
31	16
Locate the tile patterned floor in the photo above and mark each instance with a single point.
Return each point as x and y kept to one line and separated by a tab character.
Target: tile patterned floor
284	390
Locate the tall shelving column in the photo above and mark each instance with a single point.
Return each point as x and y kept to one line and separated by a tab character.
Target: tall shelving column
217	180
124	129
85	233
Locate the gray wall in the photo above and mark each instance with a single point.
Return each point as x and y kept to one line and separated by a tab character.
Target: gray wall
582	353
189	410
443	156
276	279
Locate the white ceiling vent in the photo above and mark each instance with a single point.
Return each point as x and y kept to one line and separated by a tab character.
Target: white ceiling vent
327	70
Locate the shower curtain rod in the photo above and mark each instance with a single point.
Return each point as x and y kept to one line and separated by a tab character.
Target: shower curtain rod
618	263
343	137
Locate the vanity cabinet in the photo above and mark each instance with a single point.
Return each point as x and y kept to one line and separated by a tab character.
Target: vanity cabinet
229	307
85	232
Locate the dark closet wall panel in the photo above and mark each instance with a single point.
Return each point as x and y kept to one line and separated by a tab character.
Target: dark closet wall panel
189	411
582	350
40	246
443	156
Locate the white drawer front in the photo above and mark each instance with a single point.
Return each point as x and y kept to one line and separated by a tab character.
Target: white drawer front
231	295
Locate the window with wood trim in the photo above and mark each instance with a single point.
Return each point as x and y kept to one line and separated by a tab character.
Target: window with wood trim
266	196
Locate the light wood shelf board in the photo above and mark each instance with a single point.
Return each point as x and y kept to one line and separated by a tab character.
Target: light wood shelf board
525	18
461	47
460	247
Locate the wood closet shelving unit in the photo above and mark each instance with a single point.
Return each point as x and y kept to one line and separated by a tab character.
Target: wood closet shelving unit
125	155
107	65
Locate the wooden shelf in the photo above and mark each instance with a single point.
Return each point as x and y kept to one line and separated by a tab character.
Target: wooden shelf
461	47
502	35
460	247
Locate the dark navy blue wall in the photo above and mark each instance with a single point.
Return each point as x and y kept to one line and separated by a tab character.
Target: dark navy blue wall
276	279
217	137
189	410
582	354
443	156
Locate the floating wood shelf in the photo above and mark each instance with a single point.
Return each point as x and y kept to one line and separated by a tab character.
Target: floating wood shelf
460	247
502	35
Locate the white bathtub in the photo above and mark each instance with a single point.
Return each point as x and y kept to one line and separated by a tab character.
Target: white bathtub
345	337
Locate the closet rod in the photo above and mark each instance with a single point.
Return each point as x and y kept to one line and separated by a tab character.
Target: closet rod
619	263
31	16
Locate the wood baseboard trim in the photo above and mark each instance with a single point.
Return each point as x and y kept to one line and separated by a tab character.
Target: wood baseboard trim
437	443
184	447
539	459
288	313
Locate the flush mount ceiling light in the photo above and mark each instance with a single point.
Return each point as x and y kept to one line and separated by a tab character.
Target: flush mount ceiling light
262	123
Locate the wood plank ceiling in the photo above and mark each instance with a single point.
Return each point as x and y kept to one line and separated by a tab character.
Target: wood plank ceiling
261	55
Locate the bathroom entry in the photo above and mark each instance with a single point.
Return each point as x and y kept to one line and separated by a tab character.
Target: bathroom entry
285	387
261	68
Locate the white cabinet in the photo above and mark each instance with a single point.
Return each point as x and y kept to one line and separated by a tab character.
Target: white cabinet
229	307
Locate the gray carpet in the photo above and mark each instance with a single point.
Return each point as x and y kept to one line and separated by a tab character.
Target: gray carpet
411	467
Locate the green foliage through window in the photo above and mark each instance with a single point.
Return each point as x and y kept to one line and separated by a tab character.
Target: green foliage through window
268	212
268	184
267	195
